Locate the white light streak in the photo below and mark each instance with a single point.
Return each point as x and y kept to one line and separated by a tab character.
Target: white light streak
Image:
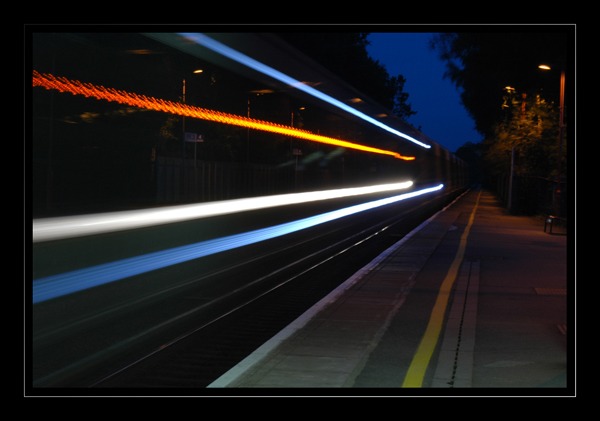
47	229
55	286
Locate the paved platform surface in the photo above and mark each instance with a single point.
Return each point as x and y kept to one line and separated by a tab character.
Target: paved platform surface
474	301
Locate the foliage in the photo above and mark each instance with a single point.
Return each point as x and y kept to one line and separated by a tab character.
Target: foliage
521	131
481	64
472	154
530	128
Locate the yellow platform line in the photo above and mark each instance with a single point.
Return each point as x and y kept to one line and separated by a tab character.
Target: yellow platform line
420	362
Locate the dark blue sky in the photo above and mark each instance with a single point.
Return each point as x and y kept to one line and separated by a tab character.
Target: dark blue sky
439	112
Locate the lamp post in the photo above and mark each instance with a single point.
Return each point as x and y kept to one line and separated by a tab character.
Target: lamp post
510	91
561	131
255	93
183	140
183	90
248	133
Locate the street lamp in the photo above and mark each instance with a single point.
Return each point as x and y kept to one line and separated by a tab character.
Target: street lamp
183	140
561	130
510	91
256	93
183	89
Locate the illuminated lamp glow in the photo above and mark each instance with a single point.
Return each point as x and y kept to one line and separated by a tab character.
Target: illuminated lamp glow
47	229
55	286
226	51
89	90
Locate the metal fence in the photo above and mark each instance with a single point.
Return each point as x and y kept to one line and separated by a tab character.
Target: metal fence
531	195
182	181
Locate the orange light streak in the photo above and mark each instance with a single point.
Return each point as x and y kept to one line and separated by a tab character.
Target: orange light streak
89	90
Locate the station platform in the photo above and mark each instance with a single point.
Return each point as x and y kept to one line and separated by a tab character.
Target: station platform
474	301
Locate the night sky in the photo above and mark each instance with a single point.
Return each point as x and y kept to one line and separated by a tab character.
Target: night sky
436	101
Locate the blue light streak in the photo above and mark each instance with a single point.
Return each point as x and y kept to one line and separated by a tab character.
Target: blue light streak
263	68
55	286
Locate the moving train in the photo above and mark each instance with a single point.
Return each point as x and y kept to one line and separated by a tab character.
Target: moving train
132	120
179	162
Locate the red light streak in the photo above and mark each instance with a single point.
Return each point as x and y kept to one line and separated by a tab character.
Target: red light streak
89	90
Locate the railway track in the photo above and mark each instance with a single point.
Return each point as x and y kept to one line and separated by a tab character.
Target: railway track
209	343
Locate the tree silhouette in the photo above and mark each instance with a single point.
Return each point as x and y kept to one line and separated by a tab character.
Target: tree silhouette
345	54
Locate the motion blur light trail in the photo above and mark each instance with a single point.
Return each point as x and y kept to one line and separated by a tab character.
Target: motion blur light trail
89	90
263	68
55	286
75	226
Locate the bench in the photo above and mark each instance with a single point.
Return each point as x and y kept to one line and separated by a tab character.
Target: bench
552	220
